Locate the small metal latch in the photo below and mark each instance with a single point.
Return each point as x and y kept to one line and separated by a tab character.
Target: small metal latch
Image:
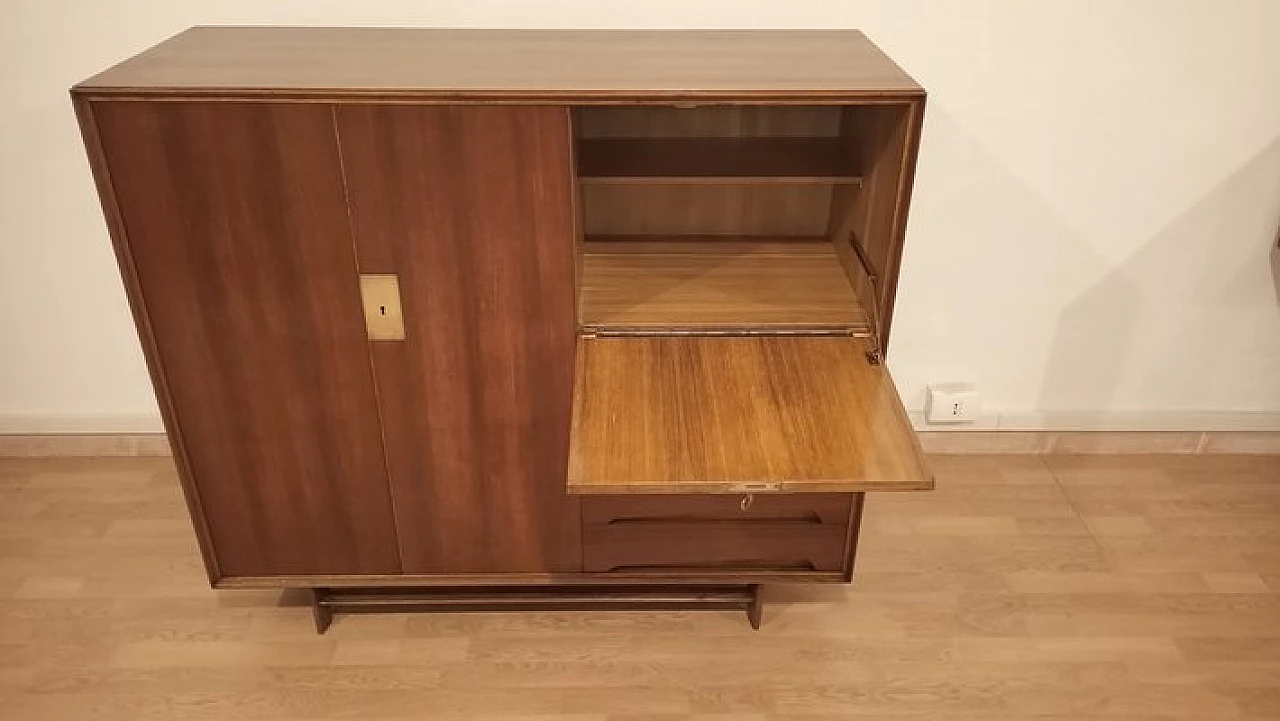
747	500
756	487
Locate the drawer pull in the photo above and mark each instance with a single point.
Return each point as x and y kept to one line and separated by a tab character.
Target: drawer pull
747	500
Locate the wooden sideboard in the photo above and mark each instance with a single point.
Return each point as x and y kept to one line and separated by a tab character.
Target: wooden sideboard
489	319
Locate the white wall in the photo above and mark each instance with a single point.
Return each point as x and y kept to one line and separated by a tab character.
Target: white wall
1098	195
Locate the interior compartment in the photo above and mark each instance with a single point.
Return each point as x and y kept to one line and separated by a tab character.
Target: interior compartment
736	161
734	218
735	280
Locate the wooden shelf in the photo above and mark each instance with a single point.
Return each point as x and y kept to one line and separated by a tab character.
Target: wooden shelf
715	160
716	283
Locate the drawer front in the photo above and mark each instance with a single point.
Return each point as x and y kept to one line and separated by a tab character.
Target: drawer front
715	533
825	508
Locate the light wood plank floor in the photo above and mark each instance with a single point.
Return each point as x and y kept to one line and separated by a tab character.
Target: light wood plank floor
1025	587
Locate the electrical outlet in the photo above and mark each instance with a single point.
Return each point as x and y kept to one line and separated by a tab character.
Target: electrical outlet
952	403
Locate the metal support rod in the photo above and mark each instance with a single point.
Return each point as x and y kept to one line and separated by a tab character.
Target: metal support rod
876	355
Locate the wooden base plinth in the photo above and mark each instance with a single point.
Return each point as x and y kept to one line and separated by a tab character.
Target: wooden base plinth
738	597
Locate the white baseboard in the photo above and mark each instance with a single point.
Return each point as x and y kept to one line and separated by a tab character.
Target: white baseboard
1200	421
1203	421
79	423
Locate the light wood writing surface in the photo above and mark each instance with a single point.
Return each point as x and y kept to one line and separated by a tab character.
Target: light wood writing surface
724	415
716	283
551	64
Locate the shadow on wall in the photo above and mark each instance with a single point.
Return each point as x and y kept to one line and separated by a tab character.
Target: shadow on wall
1275	266
984	238
1092	346
1188	318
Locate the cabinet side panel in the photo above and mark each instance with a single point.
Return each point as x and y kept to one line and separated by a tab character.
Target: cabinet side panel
884	140
471	206
146	337
236	227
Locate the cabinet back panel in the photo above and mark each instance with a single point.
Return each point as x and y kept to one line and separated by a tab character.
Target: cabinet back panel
708	121
236	225
472	207
742	208
706	209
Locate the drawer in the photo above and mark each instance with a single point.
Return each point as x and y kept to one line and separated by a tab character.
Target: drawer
700	533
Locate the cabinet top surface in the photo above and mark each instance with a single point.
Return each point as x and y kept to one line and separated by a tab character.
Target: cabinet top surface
511	64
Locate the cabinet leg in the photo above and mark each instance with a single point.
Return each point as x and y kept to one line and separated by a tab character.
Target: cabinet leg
755	607
323	614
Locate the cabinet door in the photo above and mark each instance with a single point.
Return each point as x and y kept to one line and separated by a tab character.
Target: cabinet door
237	249
471	206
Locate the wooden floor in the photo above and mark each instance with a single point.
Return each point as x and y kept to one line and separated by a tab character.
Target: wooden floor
1025	587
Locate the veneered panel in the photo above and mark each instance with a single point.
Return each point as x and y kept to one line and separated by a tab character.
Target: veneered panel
236	226
471	208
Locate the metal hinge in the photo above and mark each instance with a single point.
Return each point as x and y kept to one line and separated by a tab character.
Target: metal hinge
875	356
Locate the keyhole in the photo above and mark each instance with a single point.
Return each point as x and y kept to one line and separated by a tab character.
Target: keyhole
382	309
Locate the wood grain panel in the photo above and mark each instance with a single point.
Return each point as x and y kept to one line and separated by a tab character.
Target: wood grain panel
649	284
719	156
706	209
235	224
829	508
471	208
172	440
514	64
715	160
707	121
707	415
690	547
